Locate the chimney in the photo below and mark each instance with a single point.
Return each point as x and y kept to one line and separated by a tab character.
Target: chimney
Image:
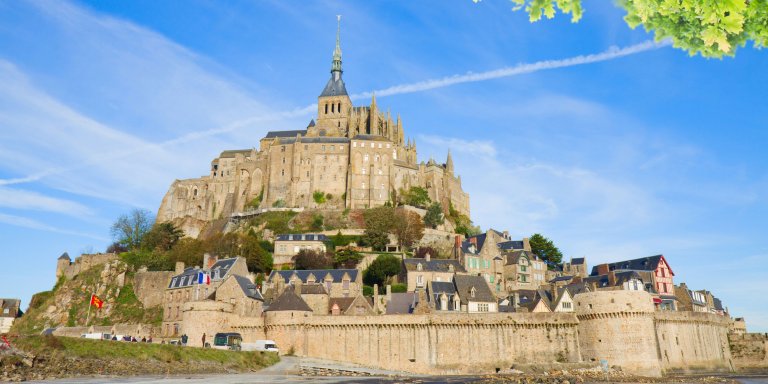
602	269
526	244
506	235
209	261
612	278
427	257
297	287
376	297
553	292
516	299
179	267
473	241
593	286
389	293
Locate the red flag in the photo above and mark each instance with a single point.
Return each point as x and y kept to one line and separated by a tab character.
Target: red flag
96	302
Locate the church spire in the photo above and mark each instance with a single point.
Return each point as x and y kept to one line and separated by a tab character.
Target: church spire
449	163
336	65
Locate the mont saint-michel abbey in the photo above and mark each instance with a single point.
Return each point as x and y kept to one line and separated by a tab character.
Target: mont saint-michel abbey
356	155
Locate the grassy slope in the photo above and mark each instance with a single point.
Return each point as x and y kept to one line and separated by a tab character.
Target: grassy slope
109	350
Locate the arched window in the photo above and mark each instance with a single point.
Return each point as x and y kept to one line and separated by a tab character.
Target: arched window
326	108
418	267
339	107
333	108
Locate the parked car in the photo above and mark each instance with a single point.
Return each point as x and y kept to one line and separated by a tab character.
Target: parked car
231	341
261	345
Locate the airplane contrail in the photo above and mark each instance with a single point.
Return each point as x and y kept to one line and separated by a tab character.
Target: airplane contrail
523	68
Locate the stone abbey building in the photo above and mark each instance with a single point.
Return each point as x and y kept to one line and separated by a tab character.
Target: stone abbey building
356	155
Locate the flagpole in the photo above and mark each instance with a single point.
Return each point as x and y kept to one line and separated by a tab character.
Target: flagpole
89	310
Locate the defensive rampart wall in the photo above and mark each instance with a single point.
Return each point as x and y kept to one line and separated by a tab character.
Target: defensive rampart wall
749	350
618	327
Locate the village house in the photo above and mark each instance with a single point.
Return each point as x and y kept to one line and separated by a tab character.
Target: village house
523	270
653	270
576	267
186	286
482	255
419	272
242	293
474	294
627	280
9	311
691	301
337	282
350	306
289	245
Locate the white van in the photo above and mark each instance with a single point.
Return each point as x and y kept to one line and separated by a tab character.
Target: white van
261	345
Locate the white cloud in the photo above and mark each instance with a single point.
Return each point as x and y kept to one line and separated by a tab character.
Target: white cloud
21	199
25	222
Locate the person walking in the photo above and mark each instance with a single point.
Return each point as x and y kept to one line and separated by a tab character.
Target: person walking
203	340
184	339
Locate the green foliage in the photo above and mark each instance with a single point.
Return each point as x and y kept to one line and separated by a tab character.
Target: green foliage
367	290
317	222
538	8
379	222
129	229
279	203
416	196
712	28
277	222
434	215
256	202
328	196
319	197
347	258
136	353
311	259
256	257
408	228
339	240
162	237
399	288
545	249
381	270
154	261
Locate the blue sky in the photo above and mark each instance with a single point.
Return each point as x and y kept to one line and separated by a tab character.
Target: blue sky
644	151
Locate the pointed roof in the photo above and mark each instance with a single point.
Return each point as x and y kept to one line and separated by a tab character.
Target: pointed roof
335	85
64	256
288	301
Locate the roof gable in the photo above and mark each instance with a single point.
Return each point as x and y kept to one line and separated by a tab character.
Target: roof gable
288	301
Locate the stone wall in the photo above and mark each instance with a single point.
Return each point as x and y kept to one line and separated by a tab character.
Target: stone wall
149	287
750	350
692	341
82	263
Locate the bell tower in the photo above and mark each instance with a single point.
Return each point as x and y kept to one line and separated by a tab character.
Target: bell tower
334	105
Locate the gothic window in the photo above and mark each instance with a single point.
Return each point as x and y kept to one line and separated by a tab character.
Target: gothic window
333	108
339	107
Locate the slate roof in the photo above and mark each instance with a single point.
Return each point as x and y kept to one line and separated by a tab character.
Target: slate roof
64	256
320	274
302	237
313	289
510	245
311	140
249	288
185	279
577	288
370	137
334	87
577	261
220	269
342	302
273	134
433	265
718	304
438	288
561	278
402	303
513	257
464	285
642	264
621	278
232	152
288	301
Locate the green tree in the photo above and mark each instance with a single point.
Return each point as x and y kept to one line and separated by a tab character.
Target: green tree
317	222
311	259
379	222
408	228
129	229
347	258
381	270
712	28
319	197
256	257
162	237
545	249
434	215
416	196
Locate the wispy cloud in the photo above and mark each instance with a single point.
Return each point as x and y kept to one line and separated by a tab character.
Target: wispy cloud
34	224
610	54
21	199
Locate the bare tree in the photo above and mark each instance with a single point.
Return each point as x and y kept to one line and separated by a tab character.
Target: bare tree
129	229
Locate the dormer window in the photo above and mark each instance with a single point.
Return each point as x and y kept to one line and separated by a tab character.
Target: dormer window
450	267
418	267
472	292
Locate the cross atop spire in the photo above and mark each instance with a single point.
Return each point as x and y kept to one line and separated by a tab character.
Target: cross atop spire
336	66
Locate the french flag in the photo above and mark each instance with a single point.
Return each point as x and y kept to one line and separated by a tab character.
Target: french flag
203	278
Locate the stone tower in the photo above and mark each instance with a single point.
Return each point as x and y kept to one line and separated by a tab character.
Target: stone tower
334	104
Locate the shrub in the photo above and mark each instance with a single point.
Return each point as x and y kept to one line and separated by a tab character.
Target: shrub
381	269
367	290
279	203
399	288
319	197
